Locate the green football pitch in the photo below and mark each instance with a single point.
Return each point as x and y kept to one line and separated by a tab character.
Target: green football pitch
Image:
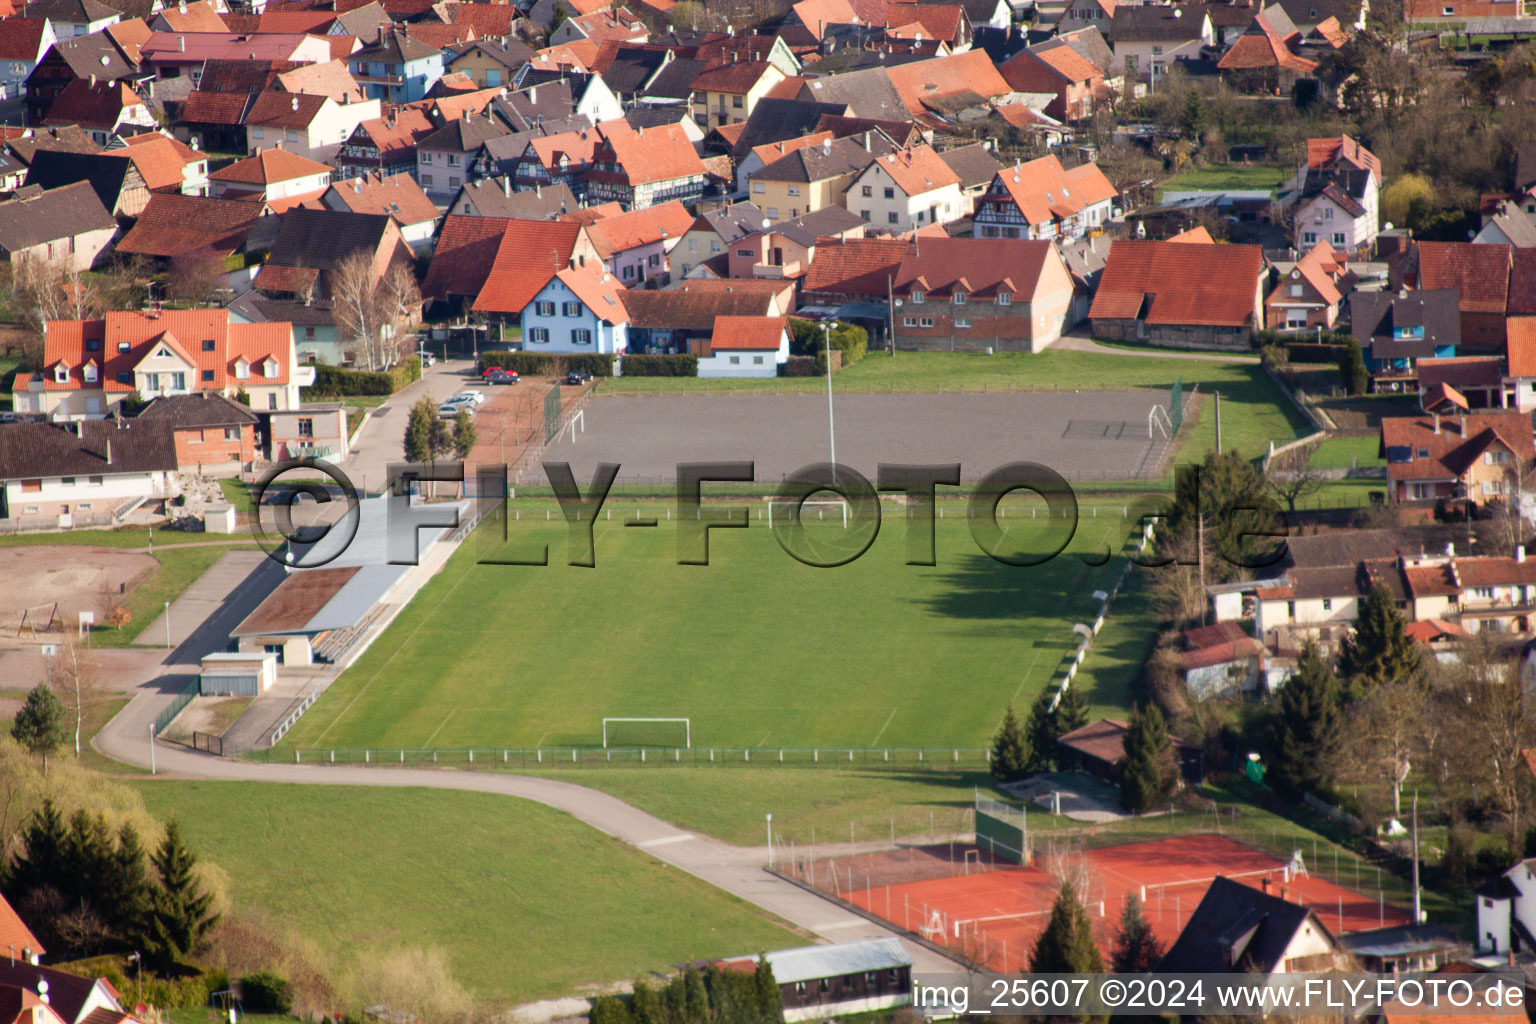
755	649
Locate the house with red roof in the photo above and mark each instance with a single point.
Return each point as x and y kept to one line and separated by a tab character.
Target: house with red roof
951	294
168	165
1338	206
728	93
23	42
384	145
635	246
1263	59
1097	14
644	167
1520	364
907	189
275	176
308	125
1222	660
497	264
1309	292
1479	272
90	366
1075	82
1482	457
103	109
562	158
744	346
609	24
1043	199
397	197
1181	295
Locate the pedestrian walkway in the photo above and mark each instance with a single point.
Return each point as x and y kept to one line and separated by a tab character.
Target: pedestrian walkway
214	604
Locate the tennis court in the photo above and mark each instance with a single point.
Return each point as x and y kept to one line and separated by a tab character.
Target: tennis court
993	914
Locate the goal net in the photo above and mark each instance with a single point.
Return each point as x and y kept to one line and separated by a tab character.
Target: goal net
648	732
784	513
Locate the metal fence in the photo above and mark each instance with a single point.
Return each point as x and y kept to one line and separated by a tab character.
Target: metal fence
177	706
555	757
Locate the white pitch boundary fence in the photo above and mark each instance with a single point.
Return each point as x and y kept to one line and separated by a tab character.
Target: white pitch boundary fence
1085	632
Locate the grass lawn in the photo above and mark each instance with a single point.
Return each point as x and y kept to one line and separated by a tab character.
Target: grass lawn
1253	409
526	902
179	569
1234	177
756	648
238	494
127	538
98	712
1346	453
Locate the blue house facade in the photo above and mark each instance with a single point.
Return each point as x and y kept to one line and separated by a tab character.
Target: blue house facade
579	310
1398	329
397	69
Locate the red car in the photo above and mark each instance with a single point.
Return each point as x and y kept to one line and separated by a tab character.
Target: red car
496	369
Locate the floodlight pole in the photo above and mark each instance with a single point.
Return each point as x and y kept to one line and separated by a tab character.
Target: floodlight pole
826	337
167	625
769	817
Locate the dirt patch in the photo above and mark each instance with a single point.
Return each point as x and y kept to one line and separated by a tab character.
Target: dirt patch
212	715
78	578
8	707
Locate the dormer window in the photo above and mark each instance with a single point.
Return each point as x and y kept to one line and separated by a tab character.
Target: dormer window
269	369
242	369
917	298
208	344
123	346
959	298
1004	298
90	373
61	374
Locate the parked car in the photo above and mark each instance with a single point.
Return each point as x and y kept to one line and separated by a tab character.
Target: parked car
496	369
501	378
472	398
428	359
450	410
576	377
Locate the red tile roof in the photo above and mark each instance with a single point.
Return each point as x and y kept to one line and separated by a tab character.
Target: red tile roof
175	225
530	252
648	155
284	110
1204	285
930	21
1326	154
269	166
162	160
1063	60
1460	442
304	22
1520	334
225	108
1197	235
944	77
817	15
1522	283
466	248
613	235
1261	46
736	79
917	170
1044	191
1313	267
184	331
14	933
397	196
1480	272
487	19
768	152
100	105
754	333
21	38
599	290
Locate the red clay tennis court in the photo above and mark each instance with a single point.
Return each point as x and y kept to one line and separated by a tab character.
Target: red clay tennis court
994	916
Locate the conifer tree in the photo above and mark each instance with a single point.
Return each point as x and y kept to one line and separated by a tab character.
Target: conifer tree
1066	946
39	725
1071	713
181	911
1148	773
1136	948
1304	730
465	435
1010	750
1379	649
1040	734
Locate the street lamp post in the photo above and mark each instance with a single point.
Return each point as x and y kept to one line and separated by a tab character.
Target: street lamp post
769	817
167	625
151	748
826	337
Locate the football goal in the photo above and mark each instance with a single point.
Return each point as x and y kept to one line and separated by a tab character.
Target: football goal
784	512
648	732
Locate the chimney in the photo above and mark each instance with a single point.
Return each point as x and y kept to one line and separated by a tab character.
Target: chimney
506	187
109	451
1437	423
1520	552
1462	429
181	44
1264	885
1450	549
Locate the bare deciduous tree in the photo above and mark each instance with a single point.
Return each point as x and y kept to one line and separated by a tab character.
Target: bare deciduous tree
1390	732
374	314
194	276
1292	477
72	674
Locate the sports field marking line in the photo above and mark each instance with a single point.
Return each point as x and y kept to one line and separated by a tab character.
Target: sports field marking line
884	727
439	728
1025	678
416	629
832	927
666	840
539	745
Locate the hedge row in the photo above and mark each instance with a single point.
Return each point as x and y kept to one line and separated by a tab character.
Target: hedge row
800	366
1313	353
333	381
849	339
661	366
548	364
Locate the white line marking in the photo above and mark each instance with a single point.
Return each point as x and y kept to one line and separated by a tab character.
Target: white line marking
666	841
884	727
439	728
839	925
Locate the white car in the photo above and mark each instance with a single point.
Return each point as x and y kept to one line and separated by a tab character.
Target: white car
450	410
474	398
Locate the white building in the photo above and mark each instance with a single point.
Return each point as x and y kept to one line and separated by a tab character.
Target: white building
1506	910
577	310
1339	207
83	473
309	125
908	189
745	346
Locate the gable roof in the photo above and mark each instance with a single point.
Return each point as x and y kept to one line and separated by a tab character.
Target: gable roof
1237	927
223	108
1479	271
22	38
285	110
1155	23
14	933
1461	440
80	448
613	235
92	104
1326	154
1062	61
809	228
1044	190
829	159
324	239
161	159
1263	45
599	291
1520	334
647	155
695	310
269	166
527	255
175	225
96	54
972	164
495	197
1313	269
108	174
1375	314
465	251
398	197
53	214
183	412
916	170
1206	285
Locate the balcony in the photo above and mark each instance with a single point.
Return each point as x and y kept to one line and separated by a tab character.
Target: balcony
363	78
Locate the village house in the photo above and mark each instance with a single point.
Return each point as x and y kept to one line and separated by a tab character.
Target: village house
397	197
1309	293
1180	294
634	246
103	109
445	157
713	230
67	475
82	59
90	366
561	159
168	165
1221	660
1238	927
1042	199
1076	85
1398	330
495	197
812	177
1262	60
1147	39
607	24
952	294
318	430
729	93
310	126
785	250
397	68
1479	273
67	225
490	63
496	265
23	42
645	167
384	145
1338	207
904	190
175	229
210	432
826	981
1479	457
681	320
280	178
115	178
1100	748
72	18
744	346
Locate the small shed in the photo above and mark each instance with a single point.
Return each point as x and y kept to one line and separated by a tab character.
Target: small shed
242	674
219	519
1101	746
818	982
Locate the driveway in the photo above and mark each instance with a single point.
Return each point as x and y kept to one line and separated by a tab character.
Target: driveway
1083	343
382	439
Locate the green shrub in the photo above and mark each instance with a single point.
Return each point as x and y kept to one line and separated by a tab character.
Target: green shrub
661	366
799	366
548	364
335	382
188	992
849	339
264	992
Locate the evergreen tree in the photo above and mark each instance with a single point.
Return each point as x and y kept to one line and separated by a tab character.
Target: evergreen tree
1071	714
770	1005
439	439
464	434
695	997
39	725
1231	496
645	1004
40	862
418	431
1304	726
1352	367
128	891
609	1010
1010	750
1066	946
88	855
1136	948
1379	649
181	911
1040	735
1148	773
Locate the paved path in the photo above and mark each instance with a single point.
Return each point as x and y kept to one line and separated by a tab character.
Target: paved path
215	603
736	869
382	439
1079	343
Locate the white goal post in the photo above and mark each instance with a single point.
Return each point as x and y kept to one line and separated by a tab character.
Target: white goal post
687	728
820	507
1156	422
